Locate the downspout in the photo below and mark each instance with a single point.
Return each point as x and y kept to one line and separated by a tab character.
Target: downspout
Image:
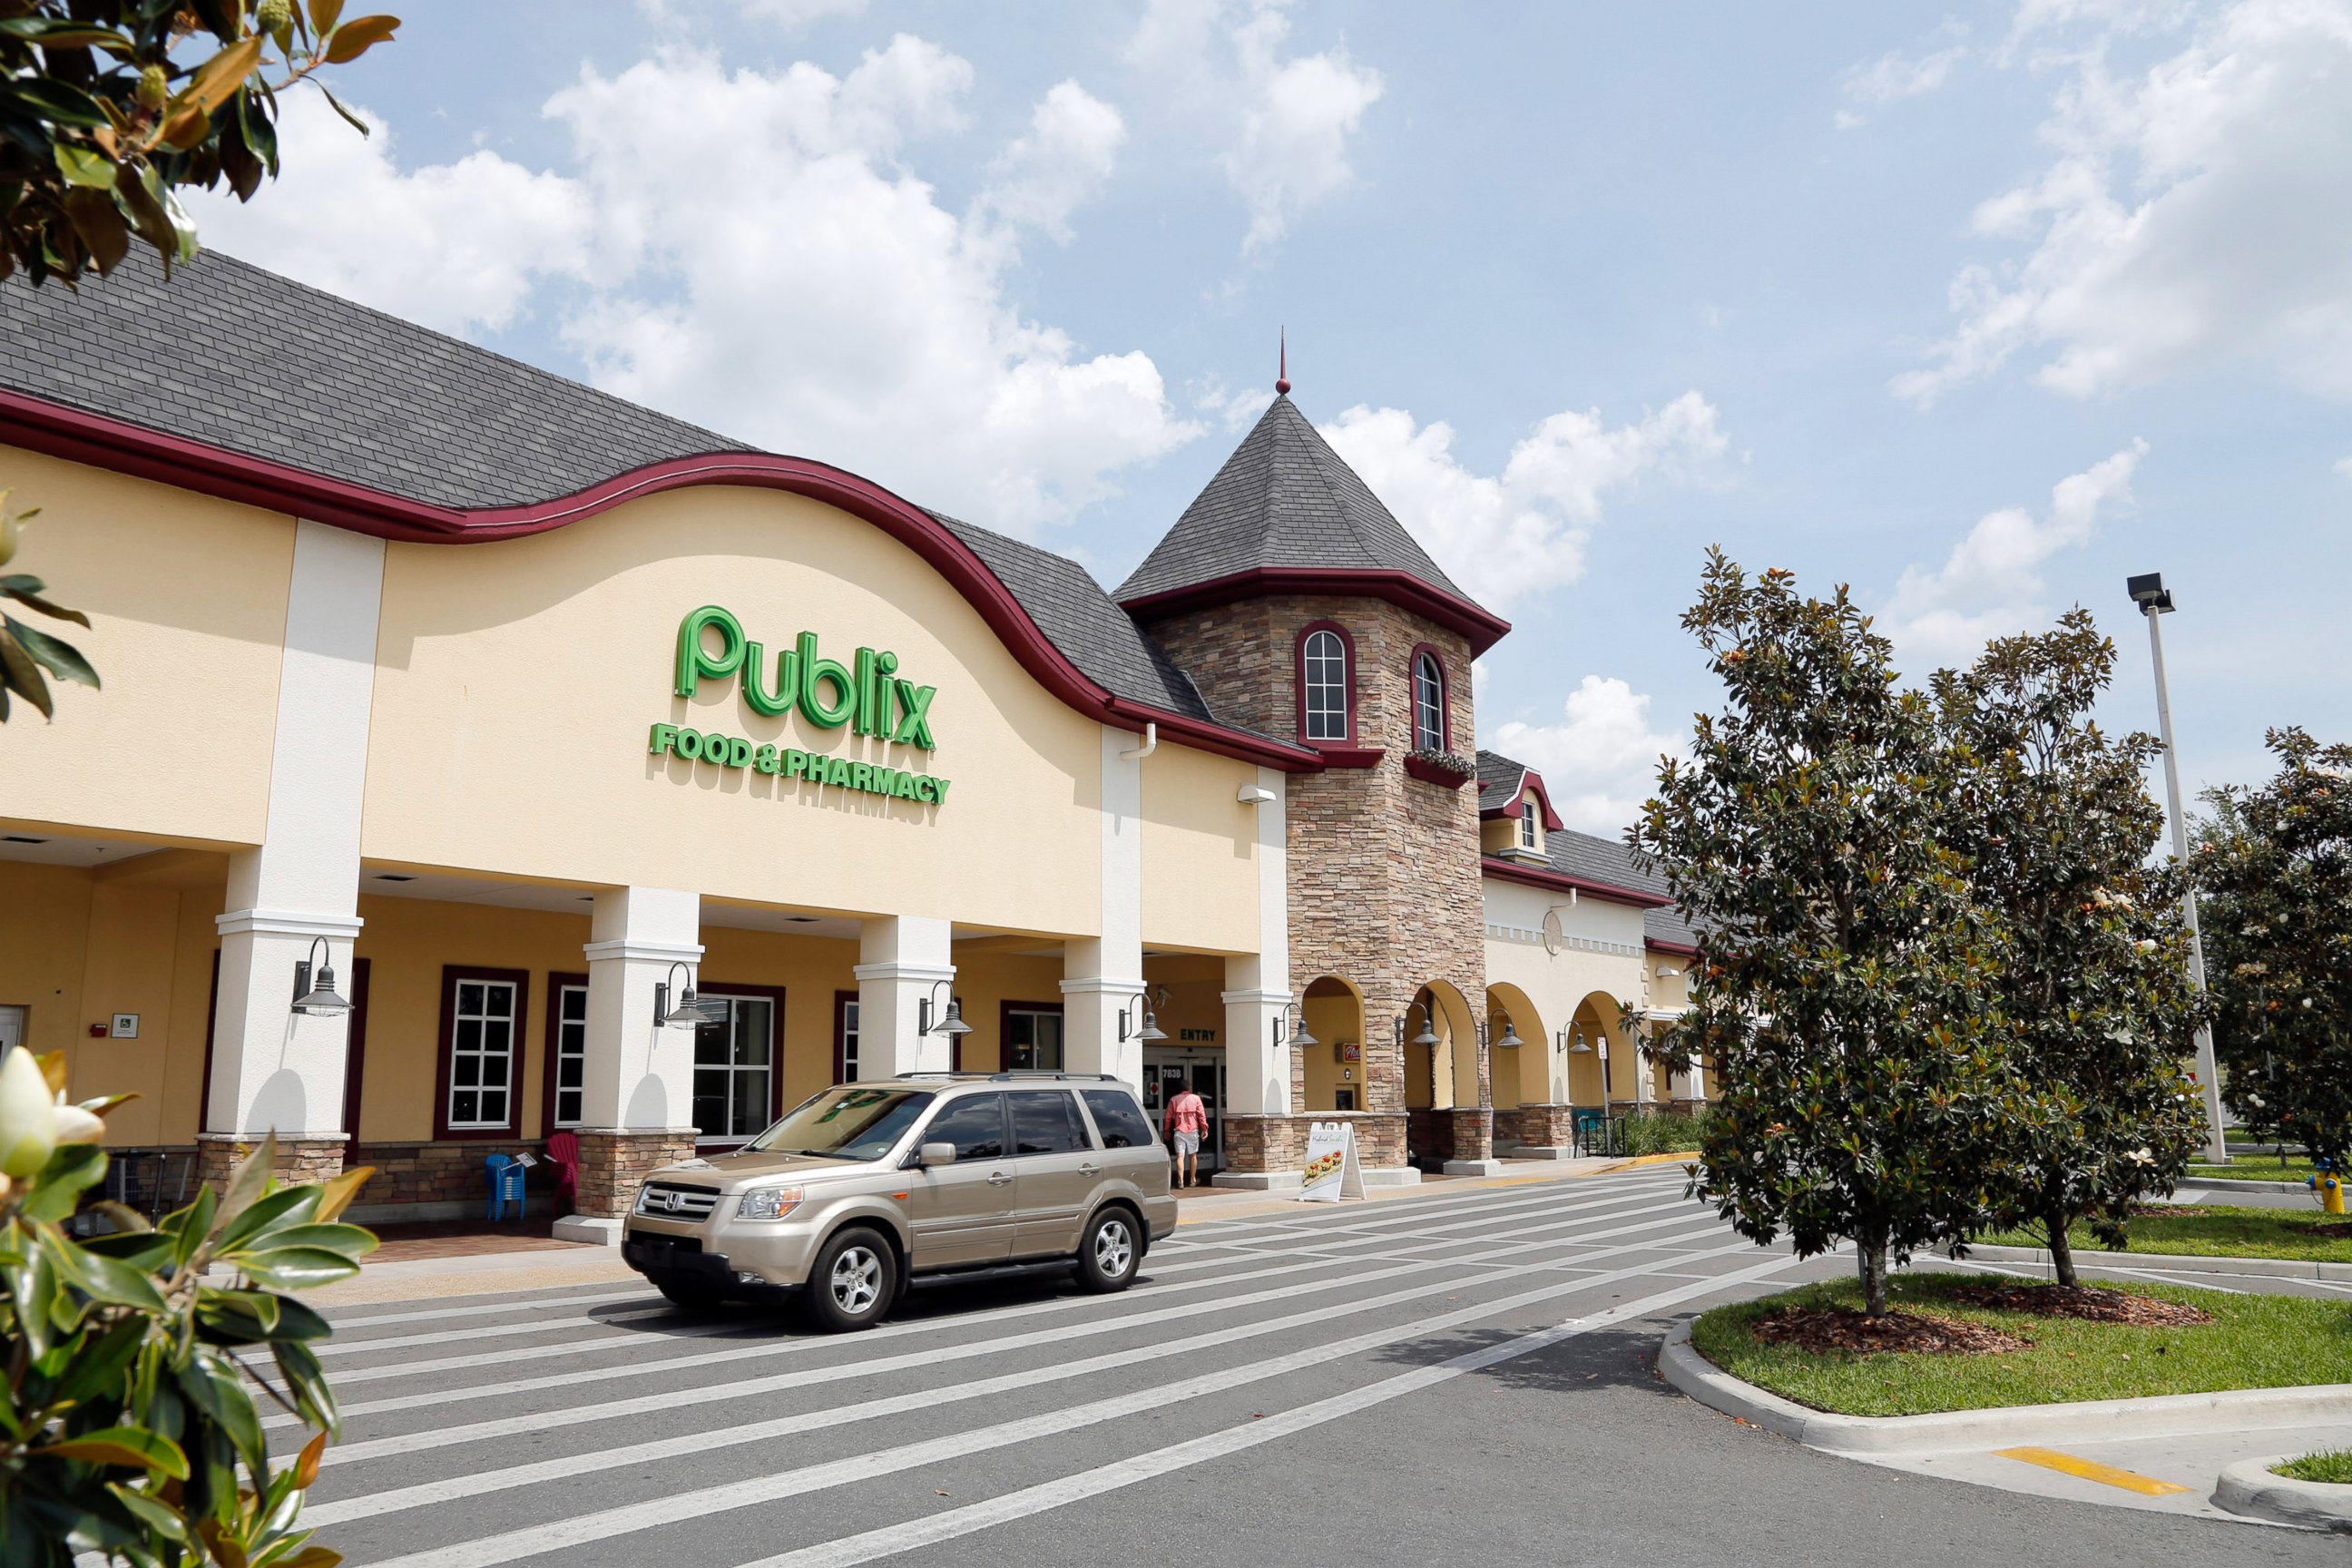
1150	744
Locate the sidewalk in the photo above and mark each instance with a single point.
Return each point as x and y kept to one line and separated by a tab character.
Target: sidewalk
422	1262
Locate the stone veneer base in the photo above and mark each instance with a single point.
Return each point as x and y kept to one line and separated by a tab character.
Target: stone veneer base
305	1157
615	1161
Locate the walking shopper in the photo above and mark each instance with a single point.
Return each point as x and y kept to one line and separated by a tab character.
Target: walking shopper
1187	1118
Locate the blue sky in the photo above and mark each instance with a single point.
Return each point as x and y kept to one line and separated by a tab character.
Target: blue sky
1979	310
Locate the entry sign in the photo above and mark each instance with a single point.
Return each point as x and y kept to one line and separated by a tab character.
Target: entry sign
1332	1170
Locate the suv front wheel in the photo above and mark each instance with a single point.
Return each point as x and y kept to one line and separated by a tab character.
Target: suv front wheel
1111	1252
852	1281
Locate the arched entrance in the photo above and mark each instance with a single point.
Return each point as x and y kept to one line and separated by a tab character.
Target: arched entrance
1522	1074
1440	1062
1598	1043
1333	1012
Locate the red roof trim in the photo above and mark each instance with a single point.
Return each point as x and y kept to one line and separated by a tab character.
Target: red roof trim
1528	780
1483	627
1681	949
61	432
1535	876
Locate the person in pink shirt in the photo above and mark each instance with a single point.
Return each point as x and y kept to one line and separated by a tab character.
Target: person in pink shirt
1186	1119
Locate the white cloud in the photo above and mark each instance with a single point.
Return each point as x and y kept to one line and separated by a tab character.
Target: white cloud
795	14
1284	120
791	282
1599	761
453	246
1067	157
2198	215
1991	586
2344	467
1893	77
1505	536
1235	409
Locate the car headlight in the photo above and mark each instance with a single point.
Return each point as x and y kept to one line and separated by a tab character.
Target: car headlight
768	1203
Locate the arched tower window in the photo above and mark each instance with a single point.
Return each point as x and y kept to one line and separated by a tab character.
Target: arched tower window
1428	703
1326	685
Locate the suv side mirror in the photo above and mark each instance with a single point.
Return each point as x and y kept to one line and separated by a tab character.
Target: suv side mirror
935	1155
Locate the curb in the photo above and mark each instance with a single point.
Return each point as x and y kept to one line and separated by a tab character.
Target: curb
2164	1416
2249	1488
1686	1157
2168	1262
2241	1185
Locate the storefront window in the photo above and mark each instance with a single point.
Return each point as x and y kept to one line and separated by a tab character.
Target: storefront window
1033	1039
481	1054
570	1053
845	1067
734	1068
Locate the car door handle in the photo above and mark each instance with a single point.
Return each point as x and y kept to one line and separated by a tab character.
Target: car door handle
1090	1169
998	1178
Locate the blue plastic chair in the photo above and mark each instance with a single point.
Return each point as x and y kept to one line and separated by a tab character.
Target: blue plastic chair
506	1185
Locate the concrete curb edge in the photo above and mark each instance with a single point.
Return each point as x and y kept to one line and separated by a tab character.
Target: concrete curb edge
2166	1262
2249	1488
2172	1415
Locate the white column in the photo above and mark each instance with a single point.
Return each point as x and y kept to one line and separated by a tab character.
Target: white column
271	1069
1257	985
903	958
638	1076
1101	975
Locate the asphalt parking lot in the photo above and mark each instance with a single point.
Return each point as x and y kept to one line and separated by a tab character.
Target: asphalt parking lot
1462	1376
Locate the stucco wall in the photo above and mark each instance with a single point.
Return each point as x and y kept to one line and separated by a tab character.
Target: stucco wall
1200	852
186	598
517	683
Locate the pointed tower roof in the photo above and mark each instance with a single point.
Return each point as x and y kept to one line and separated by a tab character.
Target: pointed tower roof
1287	514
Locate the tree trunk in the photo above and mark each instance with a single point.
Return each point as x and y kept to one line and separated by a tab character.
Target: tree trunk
1871	1250
2062	1248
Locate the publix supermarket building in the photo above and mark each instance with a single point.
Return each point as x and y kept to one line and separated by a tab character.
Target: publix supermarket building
523	709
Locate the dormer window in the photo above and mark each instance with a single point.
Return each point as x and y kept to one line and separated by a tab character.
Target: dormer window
1428	703
1530	824
1327	686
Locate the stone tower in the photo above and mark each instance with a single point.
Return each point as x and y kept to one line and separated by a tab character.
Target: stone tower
1301	607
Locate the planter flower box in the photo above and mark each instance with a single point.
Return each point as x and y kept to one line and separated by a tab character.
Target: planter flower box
1442	768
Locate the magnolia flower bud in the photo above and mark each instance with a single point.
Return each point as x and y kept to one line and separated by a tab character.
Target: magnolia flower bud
154	88
29	1132
75	1125
272	15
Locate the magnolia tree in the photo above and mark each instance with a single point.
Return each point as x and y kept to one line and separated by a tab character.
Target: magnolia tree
131	1427
2052	818
2275	869
107	108
1845	994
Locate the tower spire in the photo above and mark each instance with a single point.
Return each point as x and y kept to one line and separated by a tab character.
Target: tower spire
1282	376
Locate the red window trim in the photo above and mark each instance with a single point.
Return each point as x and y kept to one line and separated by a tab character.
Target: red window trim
1005	1030
841	1002
551	1038
1444	695
775	994
451	974
1299	684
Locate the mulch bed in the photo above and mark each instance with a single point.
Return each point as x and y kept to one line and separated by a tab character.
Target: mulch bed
1844	1329
2085	1301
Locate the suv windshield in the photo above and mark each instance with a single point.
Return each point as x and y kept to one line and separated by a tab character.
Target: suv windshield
845	1124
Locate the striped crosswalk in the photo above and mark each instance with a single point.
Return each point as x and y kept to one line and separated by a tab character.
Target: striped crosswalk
601	1426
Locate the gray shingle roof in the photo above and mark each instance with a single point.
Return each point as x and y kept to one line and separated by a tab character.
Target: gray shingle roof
1284	499
1500	779
236	357
1592	859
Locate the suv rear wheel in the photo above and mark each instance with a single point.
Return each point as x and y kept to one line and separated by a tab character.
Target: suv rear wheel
1111	1252
852	1283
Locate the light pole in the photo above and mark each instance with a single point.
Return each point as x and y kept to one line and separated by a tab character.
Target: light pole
2155	601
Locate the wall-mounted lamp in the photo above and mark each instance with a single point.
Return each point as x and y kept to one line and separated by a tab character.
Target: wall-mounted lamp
1510	1041
1285	1032
322	1000
690	1008
1668	972
1428	1035
951	1021
1149	1031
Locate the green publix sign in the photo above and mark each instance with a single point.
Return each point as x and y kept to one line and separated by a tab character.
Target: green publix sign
866	696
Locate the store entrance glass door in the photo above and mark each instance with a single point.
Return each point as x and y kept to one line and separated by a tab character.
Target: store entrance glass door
1166	1069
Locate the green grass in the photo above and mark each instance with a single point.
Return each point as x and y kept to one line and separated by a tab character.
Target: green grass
2257	1168
2213	1230
2254	1342
2332	1465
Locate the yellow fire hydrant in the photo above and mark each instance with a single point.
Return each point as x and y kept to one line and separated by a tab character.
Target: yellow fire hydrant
2330	1188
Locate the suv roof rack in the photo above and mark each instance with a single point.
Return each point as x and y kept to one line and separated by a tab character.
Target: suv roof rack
1021	1073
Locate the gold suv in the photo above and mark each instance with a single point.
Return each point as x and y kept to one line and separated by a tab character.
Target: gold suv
868	1188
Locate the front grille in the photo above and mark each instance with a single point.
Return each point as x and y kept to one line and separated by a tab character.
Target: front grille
676	1200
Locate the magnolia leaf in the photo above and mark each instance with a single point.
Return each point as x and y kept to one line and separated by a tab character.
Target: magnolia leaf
249	1180
352	1240
357	36
286	1206
85	165
100	1278
336	1196
306	1466
310	1557
353	121
220	76
132	1446
57	32
53	1068
60	659
48	98
296	1268
163	1520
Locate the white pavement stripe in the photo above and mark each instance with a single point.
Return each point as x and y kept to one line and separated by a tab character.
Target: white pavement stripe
580	1529
954	1523
1409	1211
487	1331
767	1348
491	1308
428	1494
924	1359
